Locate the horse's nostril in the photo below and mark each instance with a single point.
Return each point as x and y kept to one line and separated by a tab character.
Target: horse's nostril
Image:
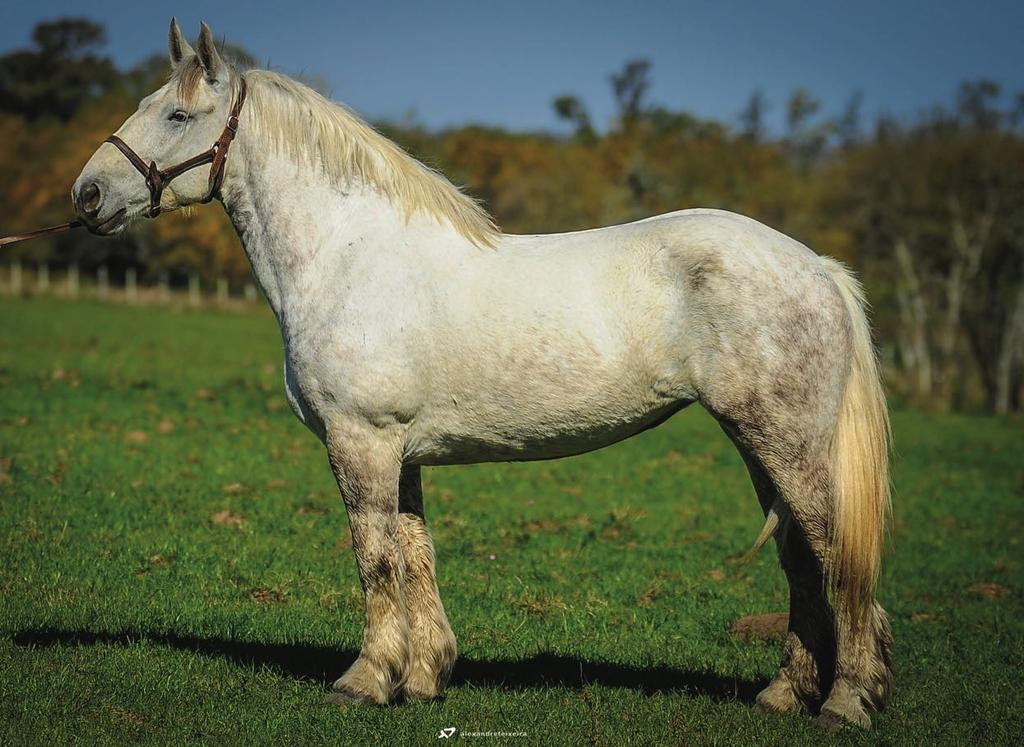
89	199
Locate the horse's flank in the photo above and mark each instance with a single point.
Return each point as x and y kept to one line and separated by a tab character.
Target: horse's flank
296	119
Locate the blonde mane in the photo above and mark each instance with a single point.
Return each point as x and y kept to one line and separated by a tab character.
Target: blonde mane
298	120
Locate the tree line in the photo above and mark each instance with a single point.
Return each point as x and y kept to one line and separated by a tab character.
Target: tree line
928	209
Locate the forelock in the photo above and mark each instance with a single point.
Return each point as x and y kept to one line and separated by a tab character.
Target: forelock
187	76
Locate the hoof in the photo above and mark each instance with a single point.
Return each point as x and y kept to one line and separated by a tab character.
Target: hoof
834	717
363	683
422	688
778	697
415	696
421	696
341	695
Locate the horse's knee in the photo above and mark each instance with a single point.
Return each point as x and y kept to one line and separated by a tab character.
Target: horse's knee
417	547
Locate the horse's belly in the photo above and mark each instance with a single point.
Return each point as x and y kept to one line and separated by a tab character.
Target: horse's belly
524	433
565	389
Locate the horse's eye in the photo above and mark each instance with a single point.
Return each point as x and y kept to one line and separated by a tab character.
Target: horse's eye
178	116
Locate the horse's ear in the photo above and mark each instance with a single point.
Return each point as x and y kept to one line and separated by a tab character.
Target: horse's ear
177	47
208	54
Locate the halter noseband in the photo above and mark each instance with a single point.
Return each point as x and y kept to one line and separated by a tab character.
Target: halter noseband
217	155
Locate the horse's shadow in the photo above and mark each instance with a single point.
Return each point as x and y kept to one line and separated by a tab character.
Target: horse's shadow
320	664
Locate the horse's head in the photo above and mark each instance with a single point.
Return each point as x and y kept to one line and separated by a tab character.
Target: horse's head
172	125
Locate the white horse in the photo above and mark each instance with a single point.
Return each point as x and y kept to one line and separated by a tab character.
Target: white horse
417	334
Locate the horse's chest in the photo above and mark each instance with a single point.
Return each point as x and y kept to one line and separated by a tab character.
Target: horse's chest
305	407
332	372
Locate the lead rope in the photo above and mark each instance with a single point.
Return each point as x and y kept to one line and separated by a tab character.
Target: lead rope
14	239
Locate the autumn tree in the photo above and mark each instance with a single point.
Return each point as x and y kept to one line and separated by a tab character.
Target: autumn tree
629	87
60	71
937	205
572	110
752	117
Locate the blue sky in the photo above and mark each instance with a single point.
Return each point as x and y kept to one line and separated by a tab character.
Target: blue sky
502	63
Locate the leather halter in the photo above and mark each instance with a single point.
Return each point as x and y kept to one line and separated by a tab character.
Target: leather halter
157	179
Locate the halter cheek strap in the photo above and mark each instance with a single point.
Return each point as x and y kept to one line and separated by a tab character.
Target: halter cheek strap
217	155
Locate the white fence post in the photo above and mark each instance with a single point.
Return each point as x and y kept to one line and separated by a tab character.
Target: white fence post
43	278
73	280
131	290
165	287
222	291
103	280
16	277
193	289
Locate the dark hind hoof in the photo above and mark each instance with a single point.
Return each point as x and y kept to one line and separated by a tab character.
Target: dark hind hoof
341	696
832	718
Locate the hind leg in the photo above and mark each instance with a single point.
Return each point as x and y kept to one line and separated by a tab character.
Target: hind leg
828	664
804	675
784	362
858	679
431	641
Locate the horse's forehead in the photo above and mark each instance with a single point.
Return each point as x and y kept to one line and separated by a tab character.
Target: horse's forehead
154	97
160	95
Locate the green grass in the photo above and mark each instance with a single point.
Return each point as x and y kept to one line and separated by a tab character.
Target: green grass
592	597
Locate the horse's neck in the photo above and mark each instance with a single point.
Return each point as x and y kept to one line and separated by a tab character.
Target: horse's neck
304	236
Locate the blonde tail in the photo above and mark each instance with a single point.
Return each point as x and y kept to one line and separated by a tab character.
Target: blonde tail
860	467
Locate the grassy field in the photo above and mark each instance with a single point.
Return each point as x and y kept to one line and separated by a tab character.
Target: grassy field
176	565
